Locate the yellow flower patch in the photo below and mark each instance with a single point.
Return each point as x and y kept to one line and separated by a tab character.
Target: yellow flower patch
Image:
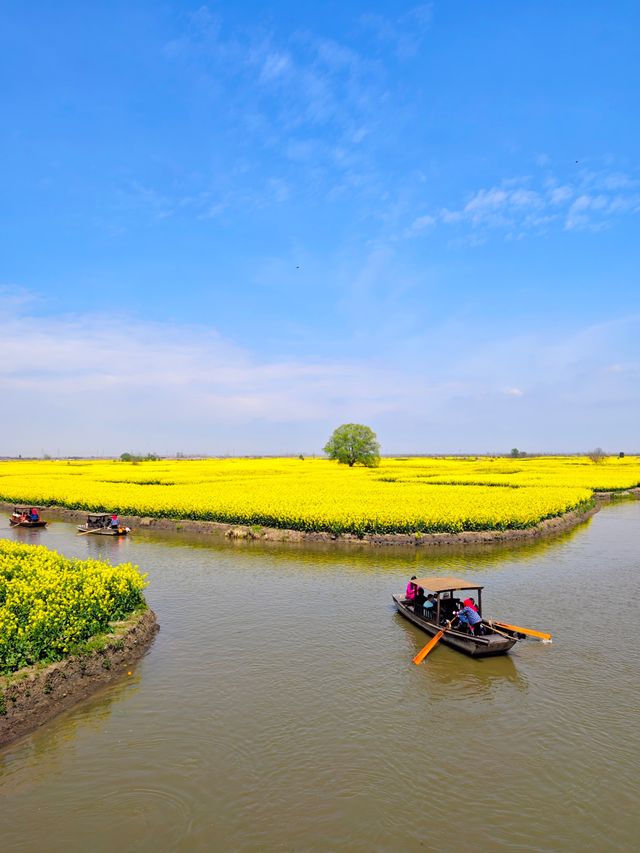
49	604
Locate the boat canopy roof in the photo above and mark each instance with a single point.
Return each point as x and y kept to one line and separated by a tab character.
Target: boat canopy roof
26	508
100	514
446	584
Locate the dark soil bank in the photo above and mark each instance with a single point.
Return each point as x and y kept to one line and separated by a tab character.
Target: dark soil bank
31	697
238	532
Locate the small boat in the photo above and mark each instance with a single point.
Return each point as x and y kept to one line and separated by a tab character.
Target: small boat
100	524
21	517
491	642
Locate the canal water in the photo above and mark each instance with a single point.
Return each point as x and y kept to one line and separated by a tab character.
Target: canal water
278	709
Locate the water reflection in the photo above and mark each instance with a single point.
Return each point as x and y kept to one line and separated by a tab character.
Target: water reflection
86	717
472	677
325	553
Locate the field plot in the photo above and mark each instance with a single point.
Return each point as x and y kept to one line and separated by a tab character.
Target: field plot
49	604
401	496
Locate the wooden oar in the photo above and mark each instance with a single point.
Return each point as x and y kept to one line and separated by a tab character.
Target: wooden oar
490	624
83	532
528	631
433	642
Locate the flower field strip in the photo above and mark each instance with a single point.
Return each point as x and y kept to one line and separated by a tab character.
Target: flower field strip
49	604
402	495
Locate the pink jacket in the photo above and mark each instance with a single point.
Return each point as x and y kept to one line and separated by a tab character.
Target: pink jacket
411	590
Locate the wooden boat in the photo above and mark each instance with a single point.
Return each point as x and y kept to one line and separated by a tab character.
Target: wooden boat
20	517
99	523
491	642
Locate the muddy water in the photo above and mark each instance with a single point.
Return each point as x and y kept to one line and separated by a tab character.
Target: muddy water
278	708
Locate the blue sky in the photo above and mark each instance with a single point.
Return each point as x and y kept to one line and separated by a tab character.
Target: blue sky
228	228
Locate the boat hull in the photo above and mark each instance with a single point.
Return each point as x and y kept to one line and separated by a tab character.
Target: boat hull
477	647
102	531
27	523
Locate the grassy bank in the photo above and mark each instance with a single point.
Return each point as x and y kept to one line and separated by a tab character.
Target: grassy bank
51	606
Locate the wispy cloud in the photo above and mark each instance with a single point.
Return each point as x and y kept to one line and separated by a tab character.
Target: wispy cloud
105	369
405	33
275	65
115	382
302	106
534	204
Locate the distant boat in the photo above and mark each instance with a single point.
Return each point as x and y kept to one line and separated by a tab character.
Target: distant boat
100	524
490	642
21	517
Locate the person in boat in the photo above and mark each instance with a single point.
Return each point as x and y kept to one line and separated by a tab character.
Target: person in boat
418	601
430	605
469	619
469	602
410	594
33	514
115	524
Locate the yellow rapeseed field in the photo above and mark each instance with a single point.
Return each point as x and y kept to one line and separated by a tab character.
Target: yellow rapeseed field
49	604
402	495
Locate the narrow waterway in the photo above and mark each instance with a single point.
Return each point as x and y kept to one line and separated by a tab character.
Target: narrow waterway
278	708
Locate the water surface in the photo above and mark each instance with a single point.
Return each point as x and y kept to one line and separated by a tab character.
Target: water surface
278	708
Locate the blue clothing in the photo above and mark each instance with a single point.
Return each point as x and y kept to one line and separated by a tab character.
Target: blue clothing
468	616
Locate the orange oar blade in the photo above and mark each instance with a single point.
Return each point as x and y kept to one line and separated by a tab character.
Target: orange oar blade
529	631
430	645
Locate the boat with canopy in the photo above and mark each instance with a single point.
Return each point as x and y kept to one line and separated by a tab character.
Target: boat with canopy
26	516
102	524
492	638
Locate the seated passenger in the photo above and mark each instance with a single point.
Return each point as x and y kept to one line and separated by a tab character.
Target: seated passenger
430	606
418	602
410	594
469	619
33	514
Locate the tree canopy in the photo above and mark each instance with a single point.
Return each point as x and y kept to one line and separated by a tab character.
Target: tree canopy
354	443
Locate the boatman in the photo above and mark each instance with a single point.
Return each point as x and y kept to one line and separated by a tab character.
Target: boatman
468	618
114	522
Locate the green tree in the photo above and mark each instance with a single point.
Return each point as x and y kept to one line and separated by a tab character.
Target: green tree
353	443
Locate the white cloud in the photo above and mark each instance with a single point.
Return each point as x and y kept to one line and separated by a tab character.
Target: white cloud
560	195
420	224
115	378
104	383
275	65
516	208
